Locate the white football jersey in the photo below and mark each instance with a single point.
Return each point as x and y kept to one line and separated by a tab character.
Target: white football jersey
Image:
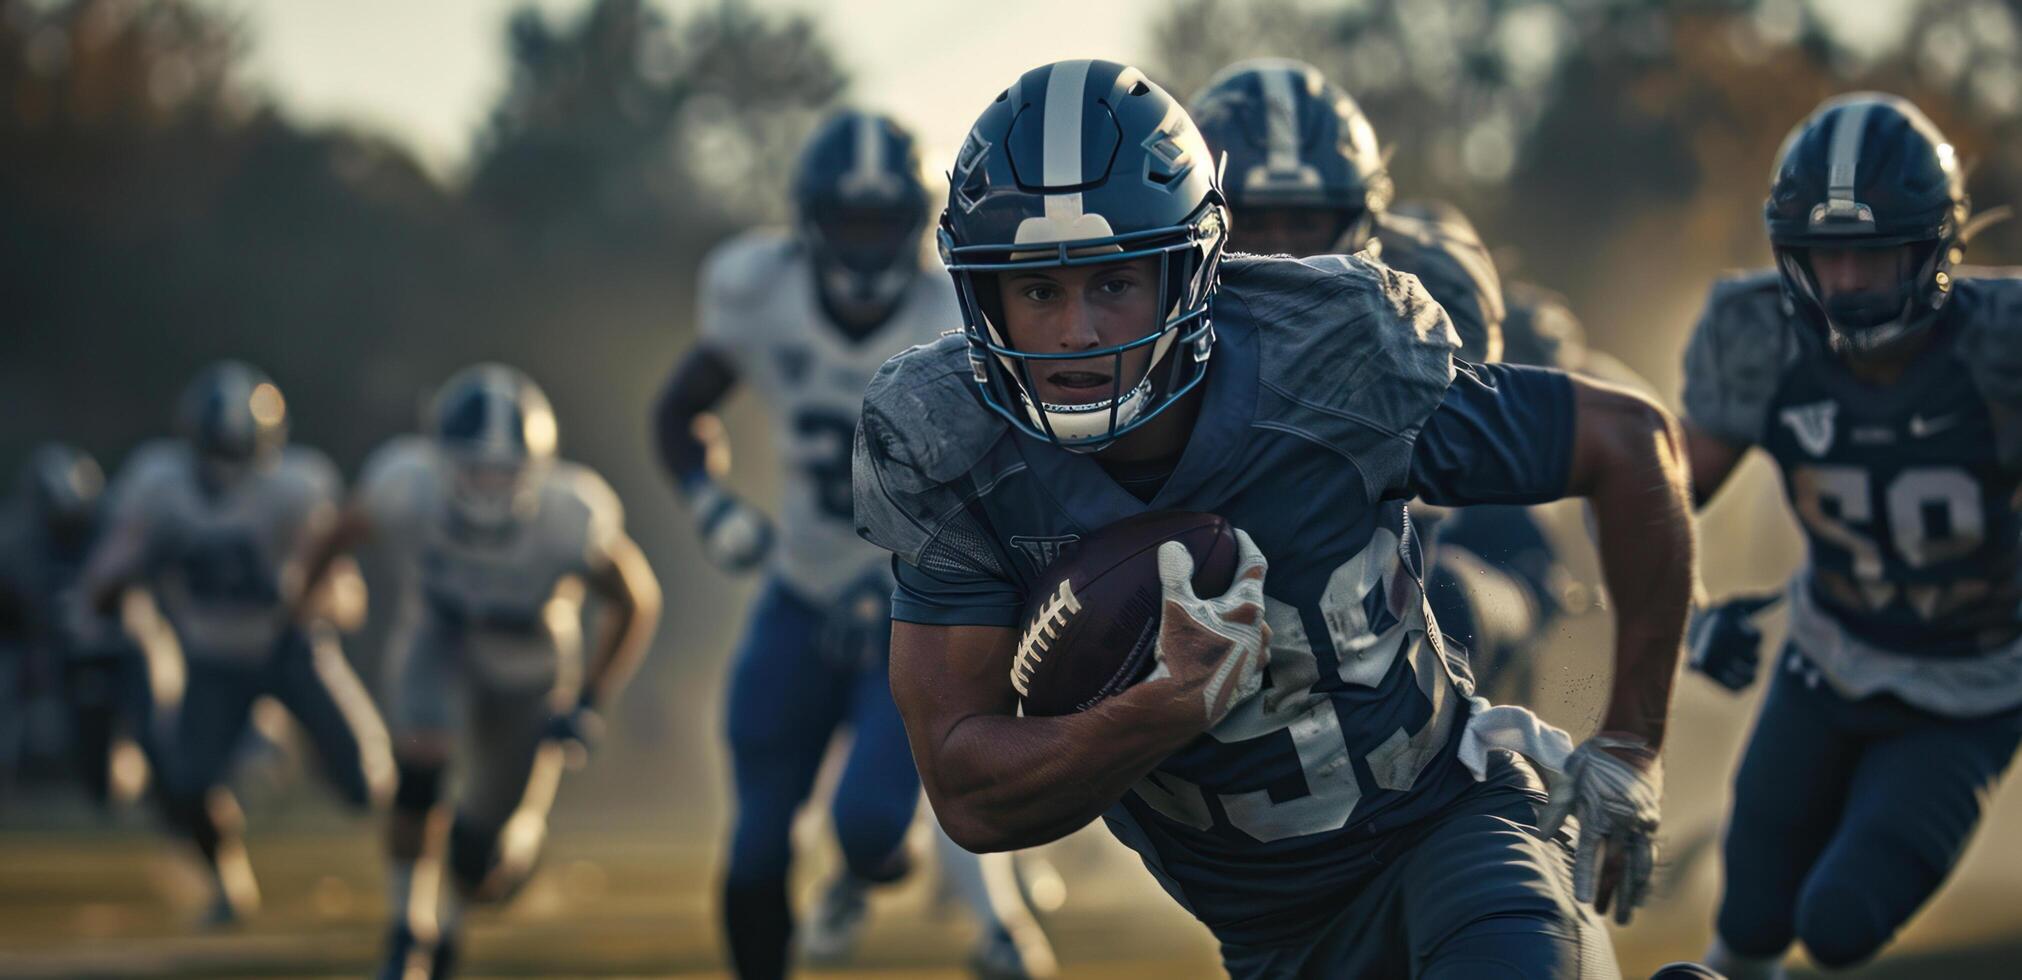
221	567
505	599
759	311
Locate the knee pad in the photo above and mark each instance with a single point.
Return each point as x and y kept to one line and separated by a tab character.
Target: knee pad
418	788
1839	925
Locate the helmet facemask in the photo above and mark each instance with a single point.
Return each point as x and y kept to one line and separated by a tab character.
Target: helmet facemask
1188	258
1872	321
865	258
493	491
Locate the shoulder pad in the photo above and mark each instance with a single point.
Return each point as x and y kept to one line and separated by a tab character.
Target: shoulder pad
398	457
746	268
1455	267
1352	352
585	486
1737	355
397	479
922	429
150	468
313	470
1991	346
1539	328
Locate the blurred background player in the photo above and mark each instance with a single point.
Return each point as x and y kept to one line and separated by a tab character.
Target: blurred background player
498	542
215	524
1888	390
89	672
1304	175
806	319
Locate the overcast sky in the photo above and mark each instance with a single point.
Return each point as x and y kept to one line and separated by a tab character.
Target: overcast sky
427	72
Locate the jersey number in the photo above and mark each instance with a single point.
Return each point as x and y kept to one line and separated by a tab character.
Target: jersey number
828	467
1934	515
1290	708
228	568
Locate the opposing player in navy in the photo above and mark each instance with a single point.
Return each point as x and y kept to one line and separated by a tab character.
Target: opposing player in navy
1886	387
57	515
1304	175
1304	771
216	524
499	544
805	319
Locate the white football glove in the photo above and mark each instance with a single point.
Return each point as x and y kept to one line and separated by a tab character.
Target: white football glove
736	536
1617	806
1215	647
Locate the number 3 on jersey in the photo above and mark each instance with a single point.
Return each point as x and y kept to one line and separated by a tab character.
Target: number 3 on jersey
827	461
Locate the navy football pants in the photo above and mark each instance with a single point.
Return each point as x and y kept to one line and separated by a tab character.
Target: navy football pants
1848	815
310	678
786	702
1473	894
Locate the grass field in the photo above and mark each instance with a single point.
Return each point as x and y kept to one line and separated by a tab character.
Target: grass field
122	904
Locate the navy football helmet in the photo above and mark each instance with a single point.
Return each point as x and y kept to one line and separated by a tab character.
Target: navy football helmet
862	208
61	486
1083	163
497	434
1291	139
232	413
1868	170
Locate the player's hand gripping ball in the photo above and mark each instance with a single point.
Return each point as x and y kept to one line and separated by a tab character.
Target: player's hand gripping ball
1129	603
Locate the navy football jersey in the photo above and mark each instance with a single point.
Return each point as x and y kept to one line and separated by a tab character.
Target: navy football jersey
1906	493
1331	397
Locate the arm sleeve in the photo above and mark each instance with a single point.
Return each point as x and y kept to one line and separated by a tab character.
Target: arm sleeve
698	385
947	597
1502	435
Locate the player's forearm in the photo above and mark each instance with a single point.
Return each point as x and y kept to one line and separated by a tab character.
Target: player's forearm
626	630
1637	480
701	382
343	536
116	564
1006	782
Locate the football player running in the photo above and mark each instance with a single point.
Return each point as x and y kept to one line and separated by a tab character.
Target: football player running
1884	384
1304	175
1305	771
805	319
499	542
217	524
57	515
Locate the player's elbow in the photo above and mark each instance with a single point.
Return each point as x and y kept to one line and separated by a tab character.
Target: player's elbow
971	833
1624	438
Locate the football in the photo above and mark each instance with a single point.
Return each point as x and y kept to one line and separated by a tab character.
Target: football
1089	628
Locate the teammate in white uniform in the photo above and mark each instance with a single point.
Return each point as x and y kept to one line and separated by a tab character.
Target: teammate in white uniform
216	523
807	318
499	542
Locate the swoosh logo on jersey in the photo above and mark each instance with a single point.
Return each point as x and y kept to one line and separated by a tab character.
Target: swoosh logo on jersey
1921	427
1812	425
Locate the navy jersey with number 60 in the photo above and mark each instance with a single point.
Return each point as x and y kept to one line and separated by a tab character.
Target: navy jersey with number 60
1330	398
1906	492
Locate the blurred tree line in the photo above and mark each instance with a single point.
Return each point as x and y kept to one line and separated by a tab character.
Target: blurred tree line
1619	150
156	214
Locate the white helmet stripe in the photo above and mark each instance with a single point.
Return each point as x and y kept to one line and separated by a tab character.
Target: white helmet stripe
1064	87
868	169
1281	118
235	415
